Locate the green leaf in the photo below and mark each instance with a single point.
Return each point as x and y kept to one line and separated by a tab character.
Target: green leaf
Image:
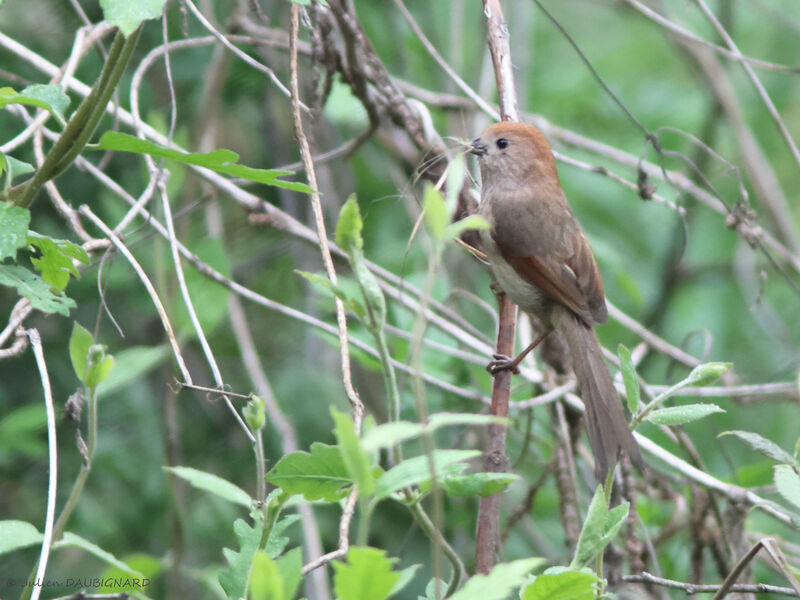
678	415
477	484
234	579
355	459
349	225
14	222
320	475
415	471
390	434
17	534
614	521
55	262
435	211
290	565
79	343
497	585
590	541
788	483
21	432
350	303
253	412
212	483
48	97
630	378
266	582
132	364
456	172
469	223
222	161
35	289
277	542
430	590
116	580
707	373
129	14
761	444
565	585
71	539
367	575
98	366
12	167
406	575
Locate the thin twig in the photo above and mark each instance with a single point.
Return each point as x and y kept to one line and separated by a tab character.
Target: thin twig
693	588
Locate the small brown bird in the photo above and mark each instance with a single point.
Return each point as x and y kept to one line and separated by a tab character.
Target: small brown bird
541	258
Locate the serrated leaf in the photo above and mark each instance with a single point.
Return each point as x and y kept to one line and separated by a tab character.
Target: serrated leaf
14	221
367	575
277	542
71	539
35	289
470	223
788	483
129	14
629	378
349	225
80	340
761	444
415	471
435	211
353	455
48	97
55	263
320	475
497	585
678	415
234	579
222	161
477	484
17	534
566	585
212	483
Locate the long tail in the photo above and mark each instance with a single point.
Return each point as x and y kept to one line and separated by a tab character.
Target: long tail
606	425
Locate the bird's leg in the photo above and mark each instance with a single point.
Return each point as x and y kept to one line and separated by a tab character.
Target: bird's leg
502	362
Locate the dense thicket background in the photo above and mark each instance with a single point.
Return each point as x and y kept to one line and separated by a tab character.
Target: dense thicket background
692	281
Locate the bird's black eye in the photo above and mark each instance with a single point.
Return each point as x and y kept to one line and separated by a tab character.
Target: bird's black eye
502	143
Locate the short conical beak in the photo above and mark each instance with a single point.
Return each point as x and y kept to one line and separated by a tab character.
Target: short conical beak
477	147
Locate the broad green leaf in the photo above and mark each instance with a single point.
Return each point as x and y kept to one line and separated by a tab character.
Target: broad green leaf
761	444
477	484
79	343
499	583
469	223
221	161
35	289
71	539
132	364
566	585
349	225
415	471
707	373
367	575
129	14
343	108
266	582
788	483
234	579
290	565
14	221
55	263
212	483
48	97
17	534
353	455
678	415
320	475
629	377
590	540
435	211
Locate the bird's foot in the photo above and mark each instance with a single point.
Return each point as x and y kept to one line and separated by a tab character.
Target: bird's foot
500	363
